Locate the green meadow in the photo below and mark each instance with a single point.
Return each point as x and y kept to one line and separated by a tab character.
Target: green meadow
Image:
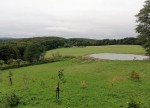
81	51
88	83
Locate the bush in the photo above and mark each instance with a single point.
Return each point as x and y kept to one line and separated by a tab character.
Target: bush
10	61
61	75
56	55
14	63
18	62
0	75
133	104
135	76
2	62
12	100
83	84
85	59
69	56
67	45
33	52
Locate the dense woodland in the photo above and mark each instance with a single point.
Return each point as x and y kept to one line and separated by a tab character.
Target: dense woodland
33	49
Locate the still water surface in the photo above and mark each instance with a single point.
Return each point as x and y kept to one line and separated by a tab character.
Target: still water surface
114	56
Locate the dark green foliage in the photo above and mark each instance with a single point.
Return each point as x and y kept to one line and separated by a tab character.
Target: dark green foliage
21	44
33	52
53	44
21	49
16	53
10	61
133	104
124	41
143	27
24	63
56	42
1	62
12	100
8	52
82	42
92	42
67	45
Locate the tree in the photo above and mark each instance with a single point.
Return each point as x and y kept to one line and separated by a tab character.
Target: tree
143	27
8	52
21	49
33	52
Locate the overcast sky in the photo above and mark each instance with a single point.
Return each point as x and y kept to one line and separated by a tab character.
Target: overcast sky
97	19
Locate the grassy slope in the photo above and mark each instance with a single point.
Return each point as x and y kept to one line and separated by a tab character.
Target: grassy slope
80	51
98	76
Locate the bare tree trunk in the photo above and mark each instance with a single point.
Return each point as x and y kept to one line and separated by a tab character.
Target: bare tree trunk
57	91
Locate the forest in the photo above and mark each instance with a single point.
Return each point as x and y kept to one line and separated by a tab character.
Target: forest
27	51
19	45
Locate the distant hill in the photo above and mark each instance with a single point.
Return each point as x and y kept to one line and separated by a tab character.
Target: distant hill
8	38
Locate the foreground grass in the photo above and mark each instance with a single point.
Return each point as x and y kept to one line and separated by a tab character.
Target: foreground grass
81	51
107	84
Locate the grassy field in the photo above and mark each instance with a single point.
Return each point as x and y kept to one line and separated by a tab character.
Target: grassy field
80	51
89	83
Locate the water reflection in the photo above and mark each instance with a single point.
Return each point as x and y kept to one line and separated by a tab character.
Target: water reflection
114	56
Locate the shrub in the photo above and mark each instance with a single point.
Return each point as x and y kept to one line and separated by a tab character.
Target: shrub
43	84
133	104
33	52
67	45
10	77
42	57
135	76
14	63
61	75
12	100
18	62
2	62
84	59
116	79
25	80
0	75
68	56
83	84
10	61
56	55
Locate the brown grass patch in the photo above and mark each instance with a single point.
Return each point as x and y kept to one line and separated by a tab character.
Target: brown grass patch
116	79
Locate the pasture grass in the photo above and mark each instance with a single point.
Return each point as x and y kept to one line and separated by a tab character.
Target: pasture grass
82	51
108	84
88	83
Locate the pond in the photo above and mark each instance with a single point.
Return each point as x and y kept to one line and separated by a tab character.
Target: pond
114	56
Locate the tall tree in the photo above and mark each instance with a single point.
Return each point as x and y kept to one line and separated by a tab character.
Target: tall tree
8	52
33	52
143	27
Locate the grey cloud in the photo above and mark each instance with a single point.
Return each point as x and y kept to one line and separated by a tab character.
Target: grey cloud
69	18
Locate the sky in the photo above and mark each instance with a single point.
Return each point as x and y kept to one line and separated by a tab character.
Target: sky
95	19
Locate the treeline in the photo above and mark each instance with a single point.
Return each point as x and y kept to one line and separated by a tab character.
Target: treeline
33	49
92	42
25	49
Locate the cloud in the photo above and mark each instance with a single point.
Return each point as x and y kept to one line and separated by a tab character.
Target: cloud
69	18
